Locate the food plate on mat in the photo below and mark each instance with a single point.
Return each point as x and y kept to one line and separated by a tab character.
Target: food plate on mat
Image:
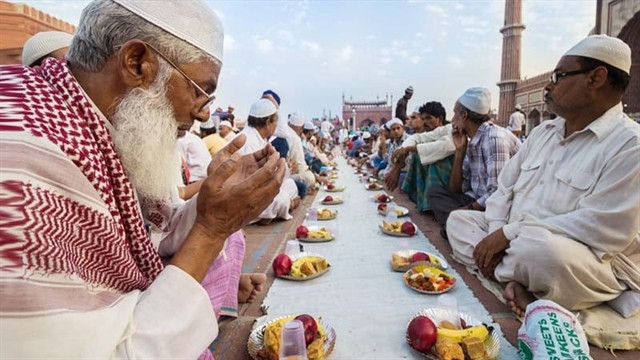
382	198
327	214
400	210
331	200
428	279
373	187
334	188
263	339
314	234
404	260
306	266
399	228
438	315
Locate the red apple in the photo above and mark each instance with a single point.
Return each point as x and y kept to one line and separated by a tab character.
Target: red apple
419	256
310	327
422	333
408	228
281	265
302	232
330	187
382	207
328	198
383	198
372	186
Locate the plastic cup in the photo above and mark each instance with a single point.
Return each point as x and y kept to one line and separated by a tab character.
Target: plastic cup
450	304
292	247
312	214
292	345
391	215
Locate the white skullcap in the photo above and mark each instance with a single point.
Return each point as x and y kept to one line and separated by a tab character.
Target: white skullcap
43	44
417	109
518	107
262	108
477	100
296	120
607	49
392	122
409	90
226	123
209	124
366	135
192	21
308	125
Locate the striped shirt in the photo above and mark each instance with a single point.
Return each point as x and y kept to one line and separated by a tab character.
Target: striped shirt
486	155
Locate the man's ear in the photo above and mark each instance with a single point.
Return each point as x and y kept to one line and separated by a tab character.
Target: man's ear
598	78
137	64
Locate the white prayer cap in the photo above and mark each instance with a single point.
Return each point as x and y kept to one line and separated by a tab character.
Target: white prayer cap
262	108
226	123
192	21
308	125
296	119
392	122
417	109
409	90
607	49
44	43
477	100
518	107
366	135
209	124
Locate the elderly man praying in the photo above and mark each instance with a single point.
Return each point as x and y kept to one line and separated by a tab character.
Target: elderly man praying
88	149
563	223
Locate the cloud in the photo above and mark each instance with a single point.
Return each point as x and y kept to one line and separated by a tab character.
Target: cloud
345	54
311	47
385	60
437	11
264	45
229	43
287	36
415	59
419	35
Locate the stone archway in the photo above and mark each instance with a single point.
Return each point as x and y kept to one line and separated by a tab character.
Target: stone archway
533	120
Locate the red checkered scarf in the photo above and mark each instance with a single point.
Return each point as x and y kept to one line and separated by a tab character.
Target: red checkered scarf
50	232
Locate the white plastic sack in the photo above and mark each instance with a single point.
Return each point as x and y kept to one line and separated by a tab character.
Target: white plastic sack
551	332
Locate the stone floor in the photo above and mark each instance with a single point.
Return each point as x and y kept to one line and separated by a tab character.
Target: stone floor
263	242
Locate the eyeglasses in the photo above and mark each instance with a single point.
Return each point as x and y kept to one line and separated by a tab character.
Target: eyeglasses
557	75
209	97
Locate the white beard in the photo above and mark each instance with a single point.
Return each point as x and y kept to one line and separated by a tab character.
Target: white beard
145	137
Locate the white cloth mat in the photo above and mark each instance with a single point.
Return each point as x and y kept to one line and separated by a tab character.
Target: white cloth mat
367	303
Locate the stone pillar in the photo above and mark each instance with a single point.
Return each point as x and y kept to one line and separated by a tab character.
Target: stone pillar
511	50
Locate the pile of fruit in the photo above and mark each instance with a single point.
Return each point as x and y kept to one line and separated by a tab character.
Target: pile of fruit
400	262
303	232
314	336
300	268
400	227
446	340
428	279
326	214
331	200
382	198
382	209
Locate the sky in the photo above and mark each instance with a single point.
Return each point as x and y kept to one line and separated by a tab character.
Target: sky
312	52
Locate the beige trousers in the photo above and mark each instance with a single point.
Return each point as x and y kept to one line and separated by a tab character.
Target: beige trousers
550	266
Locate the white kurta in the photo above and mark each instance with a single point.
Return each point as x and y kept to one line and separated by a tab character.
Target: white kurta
296	152
432	146
195	154
279	207
516	121
573	199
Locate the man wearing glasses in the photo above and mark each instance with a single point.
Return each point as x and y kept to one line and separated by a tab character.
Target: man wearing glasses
563	224
88	149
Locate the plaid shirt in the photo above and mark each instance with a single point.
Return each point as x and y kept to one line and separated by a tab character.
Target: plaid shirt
487	153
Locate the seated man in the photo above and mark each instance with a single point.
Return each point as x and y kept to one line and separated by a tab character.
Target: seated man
474	175
210	136
396	136
563	224
431	155
88	148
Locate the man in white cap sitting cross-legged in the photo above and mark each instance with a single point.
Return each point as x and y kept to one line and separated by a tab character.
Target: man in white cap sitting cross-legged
563	224
482	150
88	152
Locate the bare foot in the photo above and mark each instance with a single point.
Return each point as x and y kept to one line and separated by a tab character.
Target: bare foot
250	286
518	297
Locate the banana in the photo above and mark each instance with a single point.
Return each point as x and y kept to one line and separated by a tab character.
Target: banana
479	331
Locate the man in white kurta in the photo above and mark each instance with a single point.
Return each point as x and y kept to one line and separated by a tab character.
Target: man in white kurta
296	152
563	224
516	121
279	207
195	154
